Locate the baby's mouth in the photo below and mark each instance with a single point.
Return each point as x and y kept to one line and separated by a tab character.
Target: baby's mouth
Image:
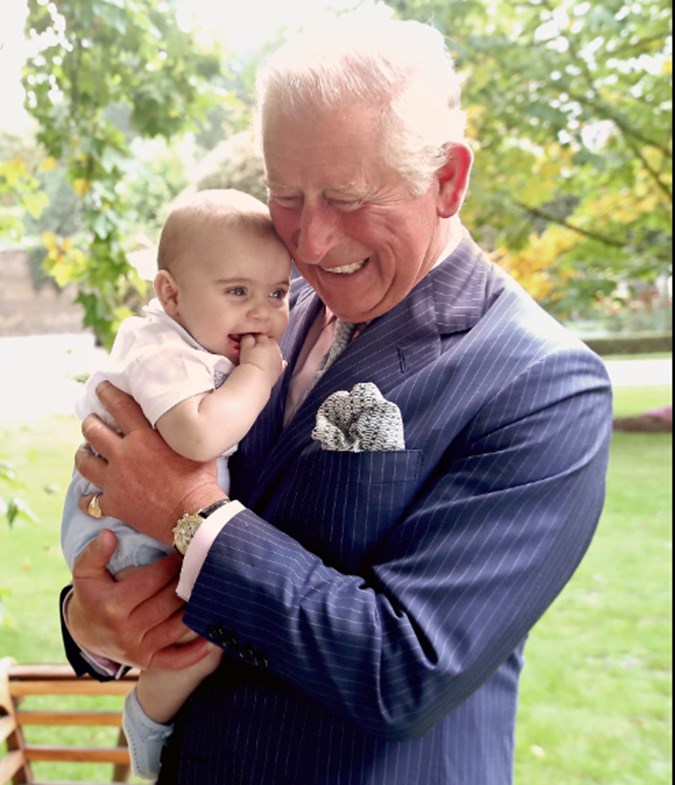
234	341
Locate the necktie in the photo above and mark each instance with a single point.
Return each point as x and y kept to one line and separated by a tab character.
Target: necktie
329	342
343	335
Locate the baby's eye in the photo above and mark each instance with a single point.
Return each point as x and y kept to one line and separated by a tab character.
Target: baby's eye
237	291
279	294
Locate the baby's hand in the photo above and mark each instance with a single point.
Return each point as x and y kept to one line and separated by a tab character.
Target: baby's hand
263	352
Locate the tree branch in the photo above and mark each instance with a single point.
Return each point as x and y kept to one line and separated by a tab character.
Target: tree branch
537	212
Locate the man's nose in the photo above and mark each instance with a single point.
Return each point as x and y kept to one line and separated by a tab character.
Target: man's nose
316	234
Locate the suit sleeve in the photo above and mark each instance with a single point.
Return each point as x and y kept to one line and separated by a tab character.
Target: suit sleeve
496	528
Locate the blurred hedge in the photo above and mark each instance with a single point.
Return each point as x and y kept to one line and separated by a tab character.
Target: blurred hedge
638	343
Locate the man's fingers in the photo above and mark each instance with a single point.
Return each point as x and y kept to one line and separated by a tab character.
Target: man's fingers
100	438
164	604
91	467
177	657
127	413
171	632
153	578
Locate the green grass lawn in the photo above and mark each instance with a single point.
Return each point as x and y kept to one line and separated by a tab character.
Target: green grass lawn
629	401
595	703
596	693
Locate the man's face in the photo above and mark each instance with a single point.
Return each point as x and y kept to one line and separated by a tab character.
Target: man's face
356	233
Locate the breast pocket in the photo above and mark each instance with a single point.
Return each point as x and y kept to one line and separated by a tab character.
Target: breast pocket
339	504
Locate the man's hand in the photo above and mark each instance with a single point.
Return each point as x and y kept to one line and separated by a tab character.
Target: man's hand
135	620
145	483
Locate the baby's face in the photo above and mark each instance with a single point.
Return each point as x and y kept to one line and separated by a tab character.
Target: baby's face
237	284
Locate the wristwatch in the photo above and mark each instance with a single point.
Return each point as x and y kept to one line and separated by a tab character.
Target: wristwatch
186	526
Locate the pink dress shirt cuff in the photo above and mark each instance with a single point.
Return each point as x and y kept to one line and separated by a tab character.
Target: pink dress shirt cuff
101	665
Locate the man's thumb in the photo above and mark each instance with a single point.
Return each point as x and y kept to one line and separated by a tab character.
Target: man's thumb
96	555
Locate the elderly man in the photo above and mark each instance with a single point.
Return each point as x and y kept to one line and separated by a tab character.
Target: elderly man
414	496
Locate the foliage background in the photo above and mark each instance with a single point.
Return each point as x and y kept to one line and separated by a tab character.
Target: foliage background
570	118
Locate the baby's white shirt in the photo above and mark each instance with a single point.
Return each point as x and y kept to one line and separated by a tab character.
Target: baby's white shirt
158	363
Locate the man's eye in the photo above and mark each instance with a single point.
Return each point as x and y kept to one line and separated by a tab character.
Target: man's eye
287	201
347	205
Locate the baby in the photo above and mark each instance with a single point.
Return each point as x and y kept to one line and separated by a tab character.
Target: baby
201	363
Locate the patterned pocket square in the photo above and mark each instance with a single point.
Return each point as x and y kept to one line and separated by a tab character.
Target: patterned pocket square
359	421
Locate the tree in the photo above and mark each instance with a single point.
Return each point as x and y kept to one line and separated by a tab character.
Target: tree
569	107
21	194
104	71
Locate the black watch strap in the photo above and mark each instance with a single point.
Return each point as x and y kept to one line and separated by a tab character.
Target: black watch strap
187	526
206	511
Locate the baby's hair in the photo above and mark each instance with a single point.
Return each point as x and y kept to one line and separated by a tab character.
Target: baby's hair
199	212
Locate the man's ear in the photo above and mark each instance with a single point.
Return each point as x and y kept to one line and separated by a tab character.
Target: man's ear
166	290
453	179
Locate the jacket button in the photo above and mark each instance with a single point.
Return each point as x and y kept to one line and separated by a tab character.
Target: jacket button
215	632
221	636
261	661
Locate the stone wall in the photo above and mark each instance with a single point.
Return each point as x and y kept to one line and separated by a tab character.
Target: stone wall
29	309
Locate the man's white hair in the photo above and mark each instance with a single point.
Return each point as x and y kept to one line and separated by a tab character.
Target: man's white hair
402	69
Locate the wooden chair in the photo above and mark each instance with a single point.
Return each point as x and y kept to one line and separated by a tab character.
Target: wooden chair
18	682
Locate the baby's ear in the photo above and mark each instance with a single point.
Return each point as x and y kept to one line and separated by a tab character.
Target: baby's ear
166	290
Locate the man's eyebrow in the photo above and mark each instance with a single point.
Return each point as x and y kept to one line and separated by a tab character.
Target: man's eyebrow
278	186
345	190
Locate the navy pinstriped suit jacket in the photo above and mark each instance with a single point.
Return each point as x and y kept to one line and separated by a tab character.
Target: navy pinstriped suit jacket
375	605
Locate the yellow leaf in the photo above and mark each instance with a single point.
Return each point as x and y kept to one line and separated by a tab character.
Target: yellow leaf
49	240
81	186
531	265
49	164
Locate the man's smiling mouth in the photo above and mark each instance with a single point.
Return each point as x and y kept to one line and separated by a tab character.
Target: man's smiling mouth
346	269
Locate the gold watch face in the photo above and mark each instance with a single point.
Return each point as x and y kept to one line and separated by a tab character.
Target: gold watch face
185	530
